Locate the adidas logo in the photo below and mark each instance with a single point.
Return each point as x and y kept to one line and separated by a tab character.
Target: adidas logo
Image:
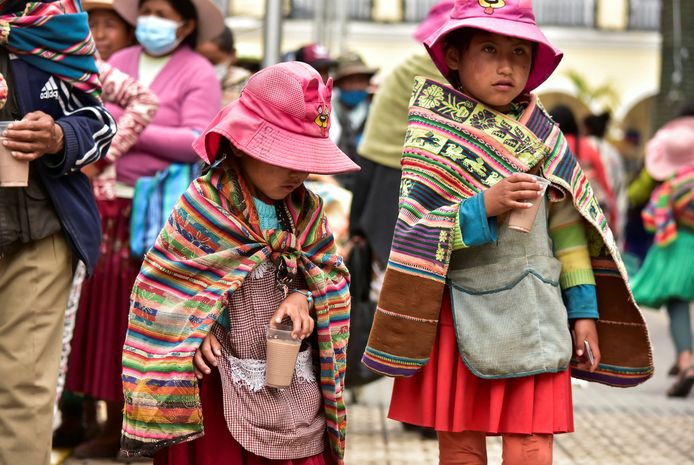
49	90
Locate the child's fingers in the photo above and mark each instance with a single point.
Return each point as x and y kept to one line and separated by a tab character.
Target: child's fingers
306	326
215	345
277	318
206	349
516	178
297	325
200	365
527	187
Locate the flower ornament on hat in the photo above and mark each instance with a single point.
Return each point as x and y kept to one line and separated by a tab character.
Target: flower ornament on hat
671	148
513	18
282	118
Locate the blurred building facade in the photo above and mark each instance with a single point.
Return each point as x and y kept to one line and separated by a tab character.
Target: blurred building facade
613	44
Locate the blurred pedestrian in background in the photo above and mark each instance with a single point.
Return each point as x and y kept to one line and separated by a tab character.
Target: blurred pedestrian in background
49	87
615	173
351	103
315	55
374	207
246	247
221	52
495	309
667	274
588	156
112	33
189	95
638	192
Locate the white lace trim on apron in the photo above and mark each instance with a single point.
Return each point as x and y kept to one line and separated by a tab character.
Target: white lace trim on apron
250	373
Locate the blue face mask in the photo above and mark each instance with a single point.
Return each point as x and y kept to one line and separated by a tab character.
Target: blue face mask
352	98
157	35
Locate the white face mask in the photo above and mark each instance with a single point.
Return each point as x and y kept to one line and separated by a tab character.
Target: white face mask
157	35
220	70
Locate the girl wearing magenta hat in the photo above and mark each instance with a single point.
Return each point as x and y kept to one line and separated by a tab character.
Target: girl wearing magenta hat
484	346
246	247
666	277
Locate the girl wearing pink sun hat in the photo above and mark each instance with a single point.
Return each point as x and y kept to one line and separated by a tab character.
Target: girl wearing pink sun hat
485	347
247	247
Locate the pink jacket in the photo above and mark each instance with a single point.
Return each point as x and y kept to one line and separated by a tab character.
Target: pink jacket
189	97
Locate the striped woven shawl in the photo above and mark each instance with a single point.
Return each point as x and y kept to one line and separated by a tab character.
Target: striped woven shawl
671	206
210	243
53	36
456	147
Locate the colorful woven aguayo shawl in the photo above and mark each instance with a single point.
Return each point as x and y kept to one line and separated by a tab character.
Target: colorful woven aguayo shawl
208	246
53	36
456	147
671	203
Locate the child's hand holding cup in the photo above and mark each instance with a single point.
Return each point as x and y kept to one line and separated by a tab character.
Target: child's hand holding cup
522	219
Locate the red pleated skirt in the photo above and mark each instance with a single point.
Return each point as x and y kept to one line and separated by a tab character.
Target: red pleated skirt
218	446
446	396
95	363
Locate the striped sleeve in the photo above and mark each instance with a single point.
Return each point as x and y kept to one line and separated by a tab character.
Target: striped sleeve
567	230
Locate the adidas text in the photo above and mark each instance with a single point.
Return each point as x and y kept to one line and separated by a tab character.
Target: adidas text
49	90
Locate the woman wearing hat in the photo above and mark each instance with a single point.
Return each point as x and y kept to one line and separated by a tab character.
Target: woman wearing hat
111	31
189	96
351	106
667	274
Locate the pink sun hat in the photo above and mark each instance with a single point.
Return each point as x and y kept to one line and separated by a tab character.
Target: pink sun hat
282	118
514	18
671	148
437	16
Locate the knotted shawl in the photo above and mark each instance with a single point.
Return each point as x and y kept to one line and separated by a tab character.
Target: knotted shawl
53	37
671	205
456	147
210	243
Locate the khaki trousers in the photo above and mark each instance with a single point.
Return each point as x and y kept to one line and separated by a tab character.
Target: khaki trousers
34	287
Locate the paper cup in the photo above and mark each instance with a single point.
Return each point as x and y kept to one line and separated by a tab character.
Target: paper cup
522	219
282	350
13	172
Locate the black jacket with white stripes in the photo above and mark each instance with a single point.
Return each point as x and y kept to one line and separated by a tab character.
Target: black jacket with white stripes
88	130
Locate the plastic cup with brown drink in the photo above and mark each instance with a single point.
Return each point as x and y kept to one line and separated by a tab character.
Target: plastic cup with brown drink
282	350
522	219
13	172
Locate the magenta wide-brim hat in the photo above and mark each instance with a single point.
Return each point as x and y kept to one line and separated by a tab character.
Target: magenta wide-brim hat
281	118
272	144
546	58
437	16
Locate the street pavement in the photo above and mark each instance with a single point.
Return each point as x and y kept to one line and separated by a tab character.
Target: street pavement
637	426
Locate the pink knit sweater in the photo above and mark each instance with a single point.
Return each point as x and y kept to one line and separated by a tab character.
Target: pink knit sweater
189	97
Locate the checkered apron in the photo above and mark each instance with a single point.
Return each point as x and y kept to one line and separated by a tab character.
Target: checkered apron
279	424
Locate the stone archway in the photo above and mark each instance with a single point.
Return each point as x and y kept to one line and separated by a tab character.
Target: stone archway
552	99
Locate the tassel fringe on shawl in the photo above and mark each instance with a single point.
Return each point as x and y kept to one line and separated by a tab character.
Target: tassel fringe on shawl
208	246
454	148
